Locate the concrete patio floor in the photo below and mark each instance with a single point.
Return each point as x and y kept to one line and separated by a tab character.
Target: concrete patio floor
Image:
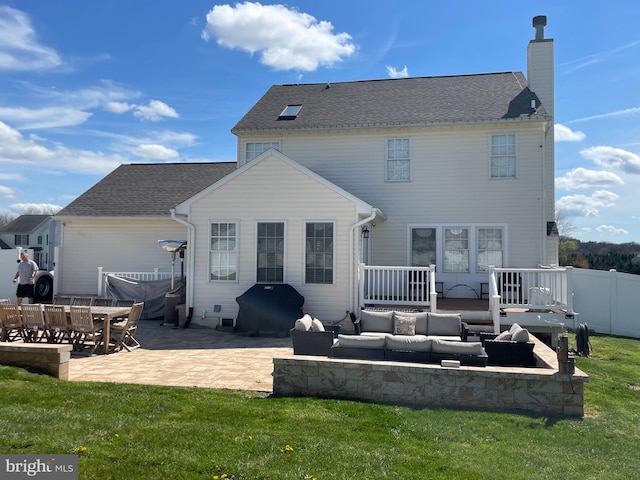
192	357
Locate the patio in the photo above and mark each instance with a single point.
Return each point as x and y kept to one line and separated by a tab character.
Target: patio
193	357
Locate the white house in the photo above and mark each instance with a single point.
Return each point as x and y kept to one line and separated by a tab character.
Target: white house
30	232
454	172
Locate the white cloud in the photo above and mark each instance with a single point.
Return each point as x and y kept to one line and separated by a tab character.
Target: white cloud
40	118
19	152
154	111
623	160
42	208
628	112
156	152
6	192
19	47
612	230
585	205
118	107
583	178
286	38
565	134
393	73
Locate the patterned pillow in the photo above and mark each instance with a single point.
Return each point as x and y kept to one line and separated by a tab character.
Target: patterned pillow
404	326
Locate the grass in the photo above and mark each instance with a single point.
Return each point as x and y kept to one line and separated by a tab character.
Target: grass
146	432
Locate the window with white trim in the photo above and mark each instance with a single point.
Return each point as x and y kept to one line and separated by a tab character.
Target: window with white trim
503	156
490	248
253	149
398	160
423	246
223	252
319	252
270	252
21	240
456	249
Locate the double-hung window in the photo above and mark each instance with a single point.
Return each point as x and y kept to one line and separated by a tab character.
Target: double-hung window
319	252
456	249
423	246
503	156
490	248
398	160
253	149
223	252
270	256
21	240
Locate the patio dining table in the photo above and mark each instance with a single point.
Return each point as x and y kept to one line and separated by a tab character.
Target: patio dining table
106	314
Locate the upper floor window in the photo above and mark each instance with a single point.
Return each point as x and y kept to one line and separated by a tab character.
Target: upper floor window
490	248
456	249
256	148
503	156
398	159
39	239
270	257
319	253
223	252
21	240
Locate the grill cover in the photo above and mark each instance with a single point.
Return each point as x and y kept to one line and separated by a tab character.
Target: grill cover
272	308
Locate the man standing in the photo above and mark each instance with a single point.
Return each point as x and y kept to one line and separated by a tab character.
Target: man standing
27	271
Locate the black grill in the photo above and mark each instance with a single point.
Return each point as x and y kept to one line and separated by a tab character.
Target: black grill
269	308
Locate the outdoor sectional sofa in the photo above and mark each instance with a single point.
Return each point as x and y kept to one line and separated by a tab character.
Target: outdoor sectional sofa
410	336
511	348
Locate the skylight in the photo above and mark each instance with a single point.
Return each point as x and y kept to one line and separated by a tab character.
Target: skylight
291	111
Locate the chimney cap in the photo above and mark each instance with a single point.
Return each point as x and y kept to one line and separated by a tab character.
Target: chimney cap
539	22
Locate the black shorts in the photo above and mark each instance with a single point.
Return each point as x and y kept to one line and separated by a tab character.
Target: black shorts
25	291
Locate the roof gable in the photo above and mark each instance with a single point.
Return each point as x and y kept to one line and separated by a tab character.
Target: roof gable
148	189
361	206
394	102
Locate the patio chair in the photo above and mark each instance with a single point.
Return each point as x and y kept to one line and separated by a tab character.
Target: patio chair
82	301
122	332
63	300
4	301
56	324
125	303
102	302
33	327
86	333
11	322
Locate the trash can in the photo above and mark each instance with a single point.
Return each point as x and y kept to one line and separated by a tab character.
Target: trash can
171	301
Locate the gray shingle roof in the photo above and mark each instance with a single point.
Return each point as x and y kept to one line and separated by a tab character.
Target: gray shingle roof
404	101
24	224
149	189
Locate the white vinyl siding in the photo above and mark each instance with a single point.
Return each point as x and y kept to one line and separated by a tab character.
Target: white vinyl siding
223	252
319	244
398	159
253	149
270	252
490	248
503	156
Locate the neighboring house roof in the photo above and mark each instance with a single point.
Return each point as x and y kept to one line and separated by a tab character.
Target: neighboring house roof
146	190
394	102
24	224
4	245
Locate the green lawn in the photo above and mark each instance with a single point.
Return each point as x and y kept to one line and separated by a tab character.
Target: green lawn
144	432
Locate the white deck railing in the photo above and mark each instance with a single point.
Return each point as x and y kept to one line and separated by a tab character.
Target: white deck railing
156	274
386	285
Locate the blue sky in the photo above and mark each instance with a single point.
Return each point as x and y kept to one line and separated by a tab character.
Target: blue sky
86	86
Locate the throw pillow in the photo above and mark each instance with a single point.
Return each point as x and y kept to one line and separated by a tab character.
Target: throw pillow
521	335
316	325
421	320
303	324
504	336
404	326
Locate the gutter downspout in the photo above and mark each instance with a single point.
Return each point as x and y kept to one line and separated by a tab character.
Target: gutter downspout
192	253
374	213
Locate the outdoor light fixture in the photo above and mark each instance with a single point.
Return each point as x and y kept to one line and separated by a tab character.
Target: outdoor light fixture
365	232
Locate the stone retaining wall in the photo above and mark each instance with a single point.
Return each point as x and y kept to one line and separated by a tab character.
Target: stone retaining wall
51	359
540	390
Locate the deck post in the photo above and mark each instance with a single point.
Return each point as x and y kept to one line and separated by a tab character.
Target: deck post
100	280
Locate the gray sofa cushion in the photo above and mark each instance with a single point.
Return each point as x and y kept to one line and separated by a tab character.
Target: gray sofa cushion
414	343
361	341
376	321
449	324
459	348
421	320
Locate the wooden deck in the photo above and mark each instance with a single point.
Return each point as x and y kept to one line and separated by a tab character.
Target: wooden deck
467	304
